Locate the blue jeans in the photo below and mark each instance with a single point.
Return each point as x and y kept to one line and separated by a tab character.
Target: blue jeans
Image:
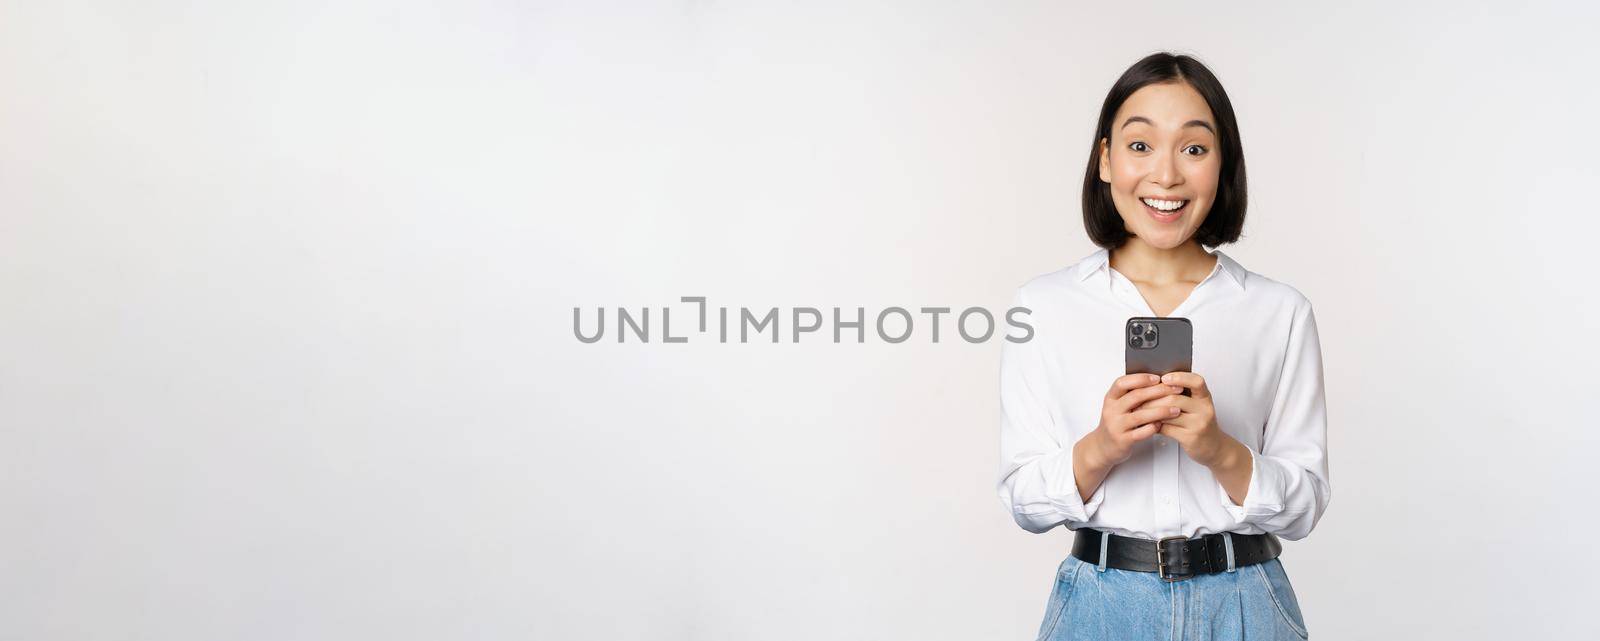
1252	603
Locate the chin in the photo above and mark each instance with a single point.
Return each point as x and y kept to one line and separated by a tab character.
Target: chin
1164	239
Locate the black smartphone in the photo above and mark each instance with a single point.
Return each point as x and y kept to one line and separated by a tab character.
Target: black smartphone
1159	345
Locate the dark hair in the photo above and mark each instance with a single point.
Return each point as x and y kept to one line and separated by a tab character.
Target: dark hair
1226	218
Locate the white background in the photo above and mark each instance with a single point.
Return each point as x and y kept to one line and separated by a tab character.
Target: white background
288	289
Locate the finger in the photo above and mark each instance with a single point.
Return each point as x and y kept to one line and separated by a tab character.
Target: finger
1144	395
1140	417
1185	404
1145	431
1169	399
1125	384
1191	380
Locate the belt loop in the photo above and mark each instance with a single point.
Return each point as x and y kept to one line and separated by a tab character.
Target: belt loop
1227	542
1105	544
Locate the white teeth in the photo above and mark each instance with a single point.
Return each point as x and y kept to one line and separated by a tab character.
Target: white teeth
1164	205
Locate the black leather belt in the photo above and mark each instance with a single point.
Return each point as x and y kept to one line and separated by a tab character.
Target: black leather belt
1176	558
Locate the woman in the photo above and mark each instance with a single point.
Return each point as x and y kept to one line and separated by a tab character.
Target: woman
1177	500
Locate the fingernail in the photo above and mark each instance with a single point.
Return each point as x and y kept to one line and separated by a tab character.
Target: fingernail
1175	389
1154	378
1174	410
1167	378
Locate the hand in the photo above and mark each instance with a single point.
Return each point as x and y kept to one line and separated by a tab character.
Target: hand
1195	428
1123	423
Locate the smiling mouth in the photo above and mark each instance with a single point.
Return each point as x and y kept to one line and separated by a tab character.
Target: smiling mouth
1165	210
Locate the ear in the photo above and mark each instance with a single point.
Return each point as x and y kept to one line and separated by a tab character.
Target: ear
1105	161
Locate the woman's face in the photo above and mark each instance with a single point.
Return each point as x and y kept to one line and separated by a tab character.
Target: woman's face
1162	154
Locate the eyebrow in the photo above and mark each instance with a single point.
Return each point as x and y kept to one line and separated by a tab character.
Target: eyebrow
1191	123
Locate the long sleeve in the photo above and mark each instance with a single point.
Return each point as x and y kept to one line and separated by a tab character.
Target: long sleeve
1289	487
1036	485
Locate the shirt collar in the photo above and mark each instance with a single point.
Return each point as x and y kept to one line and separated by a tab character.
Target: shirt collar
1100	263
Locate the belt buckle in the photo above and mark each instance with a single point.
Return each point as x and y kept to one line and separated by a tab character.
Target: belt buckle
1161	562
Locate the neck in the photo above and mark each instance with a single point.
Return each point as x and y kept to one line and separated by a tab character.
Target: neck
1143	262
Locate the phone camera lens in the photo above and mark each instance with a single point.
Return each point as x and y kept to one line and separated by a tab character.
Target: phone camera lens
1135	342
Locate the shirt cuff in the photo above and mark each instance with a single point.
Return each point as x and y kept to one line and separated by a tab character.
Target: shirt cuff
1095	499
1260	500
1066	498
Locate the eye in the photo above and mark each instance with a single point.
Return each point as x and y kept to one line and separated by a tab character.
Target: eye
1138	145
1201	150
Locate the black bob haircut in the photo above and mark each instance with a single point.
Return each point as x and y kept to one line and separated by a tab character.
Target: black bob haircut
1226	219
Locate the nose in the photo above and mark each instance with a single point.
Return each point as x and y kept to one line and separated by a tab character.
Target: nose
1165	173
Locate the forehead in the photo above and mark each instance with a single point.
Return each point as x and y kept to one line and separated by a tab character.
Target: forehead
1168	105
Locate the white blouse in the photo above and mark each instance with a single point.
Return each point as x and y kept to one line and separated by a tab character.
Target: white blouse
1255	343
